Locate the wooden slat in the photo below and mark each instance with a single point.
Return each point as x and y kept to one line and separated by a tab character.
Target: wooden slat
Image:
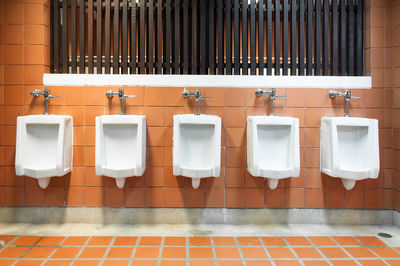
301	37
52	7
142	37
343	46
56	42
245	65
82	37
177	46
185	36
90	37
150	38
98	37
107	41
253	64
65	37
116	38
133	38
211	37
335	38
228	21
359	39
351	36
236	37
124	34
317	43
159	36
220	10
285	37
293	26
73	37
261	37
325	58
203	40
269	37
309	36
277	38
167	38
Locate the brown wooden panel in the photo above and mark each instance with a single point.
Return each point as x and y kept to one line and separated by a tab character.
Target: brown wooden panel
116	38
107	41
325	58
203	40
285	37
133	34
261	37
150	38
278	38
177	33
82	36
90	37
228	40
253	63
167	38
124	35
301	37
98	37
65	37
73	37
142	37
245	64
56	36
293	26
211	37
359	38
159	36
335	38
317	43
269	37
220	21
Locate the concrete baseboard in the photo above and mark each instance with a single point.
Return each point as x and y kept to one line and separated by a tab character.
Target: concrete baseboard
153	216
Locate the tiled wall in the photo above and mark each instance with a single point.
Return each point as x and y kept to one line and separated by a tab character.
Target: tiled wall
235	188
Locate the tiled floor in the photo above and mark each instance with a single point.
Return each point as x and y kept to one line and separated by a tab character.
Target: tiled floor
176	251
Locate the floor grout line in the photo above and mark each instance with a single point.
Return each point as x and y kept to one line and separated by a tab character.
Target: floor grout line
291	249
54	251
111	244
266	250
160	251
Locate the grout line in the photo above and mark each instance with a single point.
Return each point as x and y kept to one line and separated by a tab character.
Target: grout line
291	249
160	251
26	252
134	251
81	250
54	251
187	251
266	250
316	248
107	250
240	250
213	250
345	251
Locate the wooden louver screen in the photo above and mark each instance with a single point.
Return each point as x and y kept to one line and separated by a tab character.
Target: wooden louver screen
224	37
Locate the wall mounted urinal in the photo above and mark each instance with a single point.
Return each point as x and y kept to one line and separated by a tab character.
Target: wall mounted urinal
44	147
349	148
197	146
273	148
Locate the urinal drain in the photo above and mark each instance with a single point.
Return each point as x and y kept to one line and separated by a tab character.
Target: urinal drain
385	235
2	243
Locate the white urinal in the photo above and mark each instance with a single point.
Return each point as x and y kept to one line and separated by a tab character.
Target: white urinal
349	148
197	146
43	147
273	148
120	146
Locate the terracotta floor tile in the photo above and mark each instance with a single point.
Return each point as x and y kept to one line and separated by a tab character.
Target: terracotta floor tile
66	253
224	241
115	262
150	241
125	241
29	263
39	252
174	241
26	241
343	262
248	241
280	253
199	241
201	263
91	252
173	263
274	241
227	253
253	253
393	262
322	241
75	241
360	252
147	252
13	252
258	263
58	263
333	253
86	263
7	262
370	241
100	241
309	253
297	241
372	262
174	252
119	253
7	238
230	263
346	241
200	253
385	252
315	263
50	241
286	262
145	263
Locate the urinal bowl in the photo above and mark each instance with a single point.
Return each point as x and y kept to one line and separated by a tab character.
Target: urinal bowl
120	146
196	146
273	148
43	147
349	149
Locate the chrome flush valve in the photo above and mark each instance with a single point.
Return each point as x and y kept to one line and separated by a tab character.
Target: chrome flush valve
47	97
347	98
198	97
272	94
120	93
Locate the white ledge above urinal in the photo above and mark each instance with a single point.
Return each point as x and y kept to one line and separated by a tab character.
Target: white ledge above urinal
43	147
120	146
273	147
349	148
197	146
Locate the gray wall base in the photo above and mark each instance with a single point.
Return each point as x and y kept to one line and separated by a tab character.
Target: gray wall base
90	215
